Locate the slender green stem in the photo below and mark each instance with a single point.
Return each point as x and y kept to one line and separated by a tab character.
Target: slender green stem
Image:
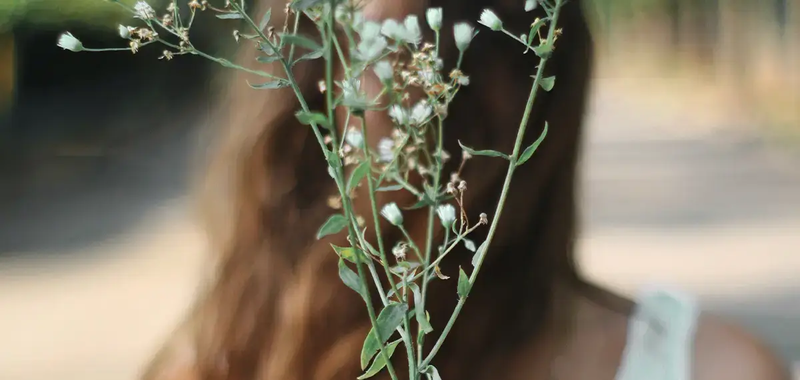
294	31
429	241
375	213
503	195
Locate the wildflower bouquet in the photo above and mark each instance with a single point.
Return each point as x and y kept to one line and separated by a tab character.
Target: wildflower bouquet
415	147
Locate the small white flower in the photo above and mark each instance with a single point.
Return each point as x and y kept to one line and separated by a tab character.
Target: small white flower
370	49
398	114
392	29
392	213
386	149
421	112
144	11
463	80
530	5
68	42
413	33
447	215
384	71
434	17
490	20
124	32
354	138
463	33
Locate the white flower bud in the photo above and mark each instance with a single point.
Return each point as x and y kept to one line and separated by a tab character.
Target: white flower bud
392	29
398	114
490	20
384	71
354	138
124	32
434	17
530	5
68	42
370	49
386	149
421	112
412	32
392	213
447	215
463	33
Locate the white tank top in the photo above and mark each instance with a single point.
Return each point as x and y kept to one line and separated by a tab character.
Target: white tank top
660	343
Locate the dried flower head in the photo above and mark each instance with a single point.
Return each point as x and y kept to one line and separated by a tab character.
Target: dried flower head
144	11
483	218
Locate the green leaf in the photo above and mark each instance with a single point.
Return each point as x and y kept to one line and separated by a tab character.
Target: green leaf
489	153
349	253
469	244
535	30
230	16
333	225
380	362
299	40
265	19
310	56
358	174
432	373
275	84
266	48
419	312
463	283
268	59
543	50
389	319
311	117
548	83
390	188
302	5
351	279
478	253
526	155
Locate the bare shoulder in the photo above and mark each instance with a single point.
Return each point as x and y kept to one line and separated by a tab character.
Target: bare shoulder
724	351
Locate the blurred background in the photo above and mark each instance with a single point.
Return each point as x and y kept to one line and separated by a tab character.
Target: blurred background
691	174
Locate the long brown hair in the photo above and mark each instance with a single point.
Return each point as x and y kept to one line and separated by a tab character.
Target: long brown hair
276	309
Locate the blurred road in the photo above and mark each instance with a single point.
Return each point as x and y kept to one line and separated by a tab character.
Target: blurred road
672	194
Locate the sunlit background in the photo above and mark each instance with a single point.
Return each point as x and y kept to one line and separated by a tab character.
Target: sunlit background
691	174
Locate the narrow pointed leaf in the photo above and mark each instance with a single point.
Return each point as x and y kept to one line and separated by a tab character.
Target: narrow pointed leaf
478	253
265	19
268	59
423	322
358	174
432	373
389	319
275	84
230	16
489	153
348	253
526	155
390	188
351	279
302	5
469	244
379	362
300	41
334	224
310	56
463	283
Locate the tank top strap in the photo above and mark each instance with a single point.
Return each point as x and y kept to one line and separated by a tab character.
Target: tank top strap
660	342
